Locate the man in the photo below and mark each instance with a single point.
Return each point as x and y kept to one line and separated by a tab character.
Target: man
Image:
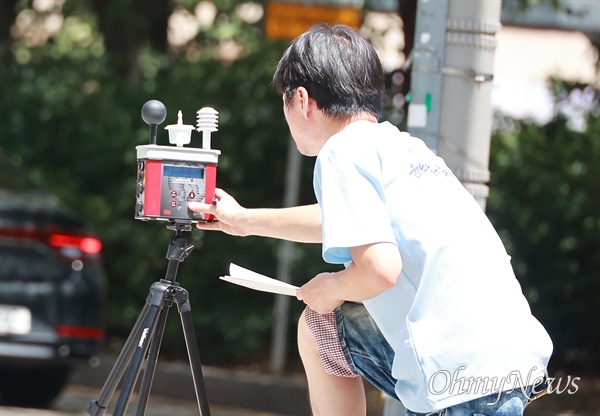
428	308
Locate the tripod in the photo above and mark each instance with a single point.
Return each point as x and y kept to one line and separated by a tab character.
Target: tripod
146	336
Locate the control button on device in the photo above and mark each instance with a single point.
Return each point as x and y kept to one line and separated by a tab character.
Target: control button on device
173	194
192	195
173	204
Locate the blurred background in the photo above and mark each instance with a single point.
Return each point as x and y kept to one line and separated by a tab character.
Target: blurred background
74	75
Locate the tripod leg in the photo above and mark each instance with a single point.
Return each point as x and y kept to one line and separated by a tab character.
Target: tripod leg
136	360
148	377
98	407
185	311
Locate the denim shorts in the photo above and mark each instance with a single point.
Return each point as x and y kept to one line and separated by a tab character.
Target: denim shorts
369	354
366	350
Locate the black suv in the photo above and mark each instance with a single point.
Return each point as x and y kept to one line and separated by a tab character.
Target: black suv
51	291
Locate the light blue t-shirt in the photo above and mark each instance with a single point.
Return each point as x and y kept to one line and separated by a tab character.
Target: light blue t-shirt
456	319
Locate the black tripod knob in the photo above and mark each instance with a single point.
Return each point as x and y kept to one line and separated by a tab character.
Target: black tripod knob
153	113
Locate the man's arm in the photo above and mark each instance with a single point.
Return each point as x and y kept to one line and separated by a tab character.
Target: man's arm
301	224
374	269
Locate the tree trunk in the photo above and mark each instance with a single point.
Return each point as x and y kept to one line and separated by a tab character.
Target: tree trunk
7	18
128	26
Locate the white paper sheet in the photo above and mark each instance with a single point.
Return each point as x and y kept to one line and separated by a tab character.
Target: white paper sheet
256	281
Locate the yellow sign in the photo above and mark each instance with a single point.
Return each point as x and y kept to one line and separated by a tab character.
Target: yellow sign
288	20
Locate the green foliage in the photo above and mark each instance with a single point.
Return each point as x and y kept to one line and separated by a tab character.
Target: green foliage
544	200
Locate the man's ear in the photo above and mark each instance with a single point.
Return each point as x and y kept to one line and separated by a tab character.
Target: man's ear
307	104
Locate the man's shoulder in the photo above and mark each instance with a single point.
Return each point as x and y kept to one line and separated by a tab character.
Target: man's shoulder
363	136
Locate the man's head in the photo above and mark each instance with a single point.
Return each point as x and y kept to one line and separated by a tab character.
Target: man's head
339	69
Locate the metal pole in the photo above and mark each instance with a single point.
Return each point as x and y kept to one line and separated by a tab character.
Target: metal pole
450	107
466	115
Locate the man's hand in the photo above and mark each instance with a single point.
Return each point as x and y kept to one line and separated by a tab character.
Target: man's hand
226	210
317	294
374	269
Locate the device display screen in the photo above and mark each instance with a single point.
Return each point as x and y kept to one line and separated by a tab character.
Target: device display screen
183	172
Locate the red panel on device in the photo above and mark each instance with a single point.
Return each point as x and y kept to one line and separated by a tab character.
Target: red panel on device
210	182
152	188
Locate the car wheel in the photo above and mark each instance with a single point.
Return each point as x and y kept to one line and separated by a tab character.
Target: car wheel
35	387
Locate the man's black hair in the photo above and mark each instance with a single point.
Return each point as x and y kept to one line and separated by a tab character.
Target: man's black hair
340	70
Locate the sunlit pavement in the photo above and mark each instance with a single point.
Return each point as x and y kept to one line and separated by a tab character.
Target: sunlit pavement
75	399
230	393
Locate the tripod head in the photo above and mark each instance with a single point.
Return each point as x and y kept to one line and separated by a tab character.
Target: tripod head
179	226
178	249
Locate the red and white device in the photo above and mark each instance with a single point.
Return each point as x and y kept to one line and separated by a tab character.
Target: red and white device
168	177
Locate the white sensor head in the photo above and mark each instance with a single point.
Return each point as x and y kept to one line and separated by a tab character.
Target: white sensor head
180	133
207	120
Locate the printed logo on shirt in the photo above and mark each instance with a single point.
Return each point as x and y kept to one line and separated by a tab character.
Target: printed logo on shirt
419	169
